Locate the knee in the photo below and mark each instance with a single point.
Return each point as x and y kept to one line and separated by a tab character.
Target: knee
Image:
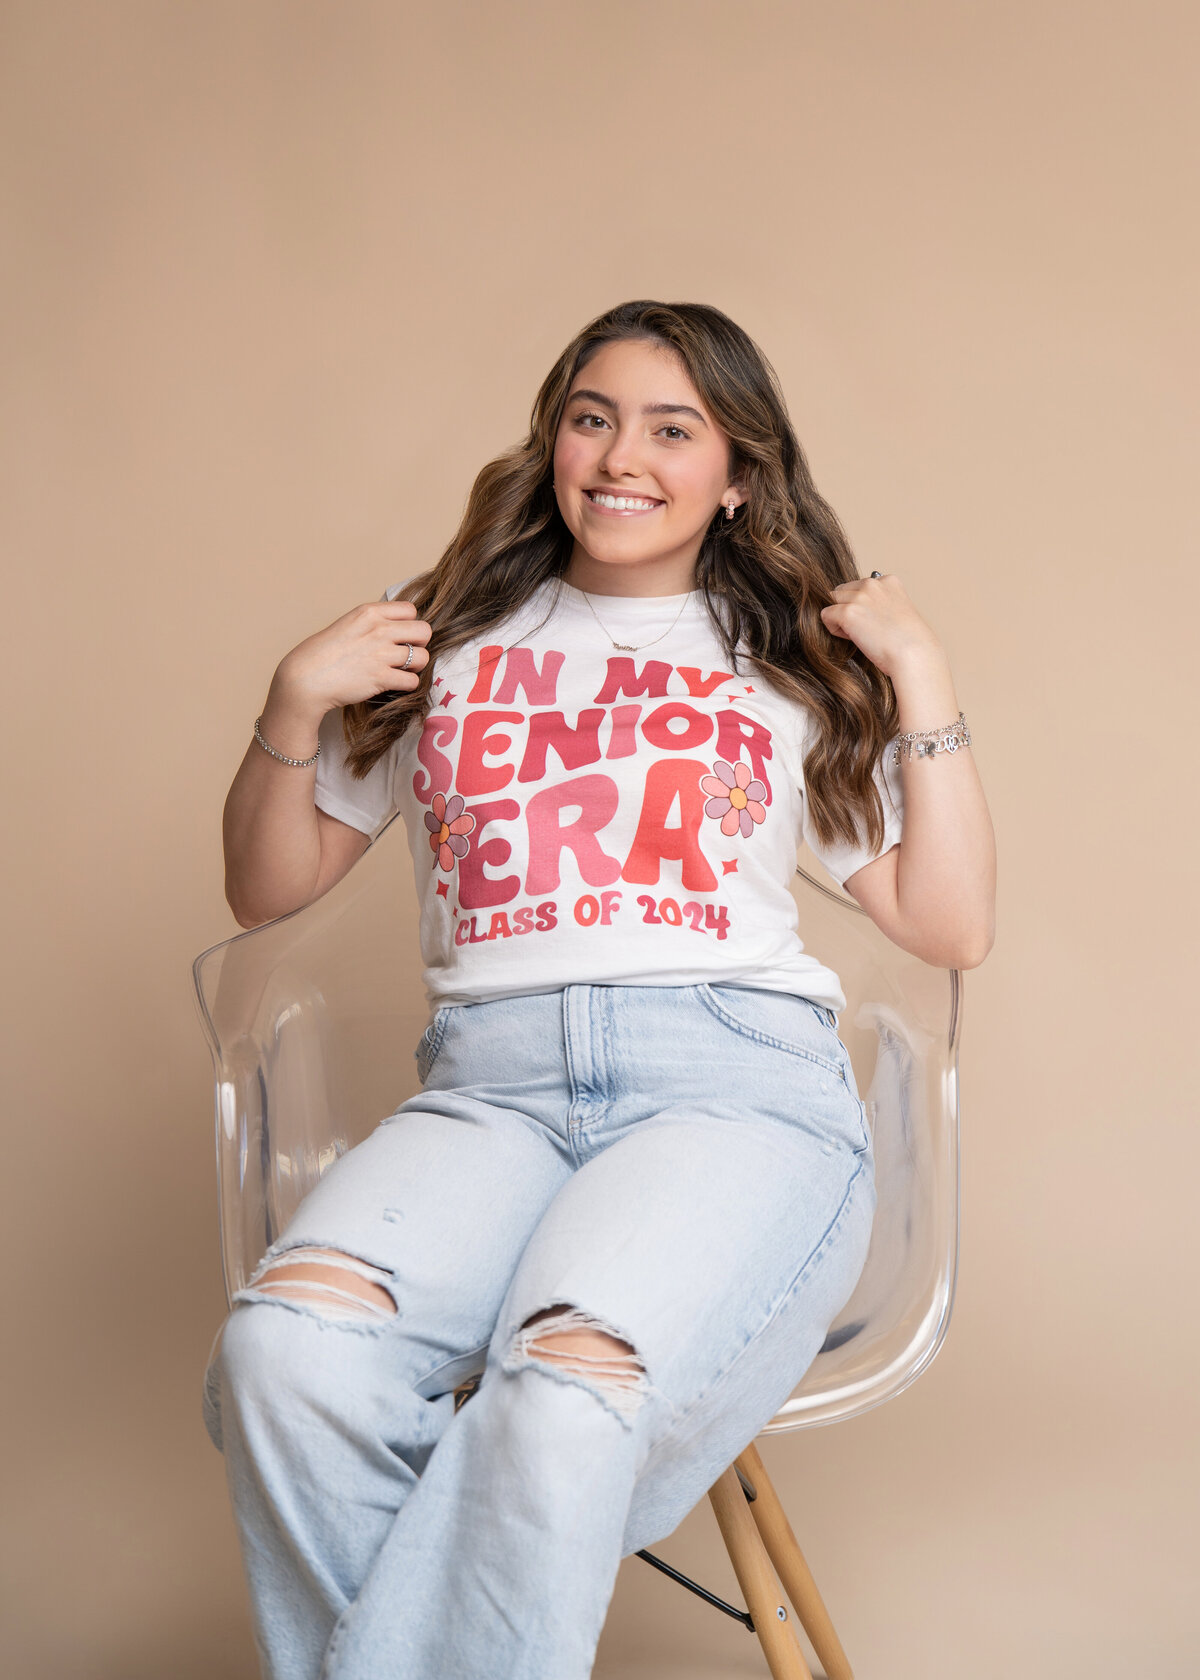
574	1346
268	1352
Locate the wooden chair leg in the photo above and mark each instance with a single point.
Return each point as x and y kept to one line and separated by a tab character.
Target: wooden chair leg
791	1568
757	1580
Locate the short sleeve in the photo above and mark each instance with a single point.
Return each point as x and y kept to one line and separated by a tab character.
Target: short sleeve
367	804
842	860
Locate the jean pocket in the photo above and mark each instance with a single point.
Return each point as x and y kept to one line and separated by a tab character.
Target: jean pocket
785	1020
430	1043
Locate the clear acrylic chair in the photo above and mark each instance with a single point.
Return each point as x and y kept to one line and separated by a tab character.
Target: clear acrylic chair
311	1023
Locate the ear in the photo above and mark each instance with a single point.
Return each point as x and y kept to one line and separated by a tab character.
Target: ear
735	490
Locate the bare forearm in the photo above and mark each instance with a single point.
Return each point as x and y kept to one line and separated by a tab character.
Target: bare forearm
279	853
271	835
946	874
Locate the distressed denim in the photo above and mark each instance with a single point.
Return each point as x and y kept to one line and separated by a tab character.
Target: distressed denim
688	1168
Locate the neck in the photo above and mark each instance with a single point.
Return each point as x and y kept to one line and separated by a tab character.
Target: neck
667	575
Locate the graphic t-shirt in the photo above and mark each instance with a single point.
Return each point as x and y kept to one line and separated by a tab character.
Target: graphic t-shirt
582	814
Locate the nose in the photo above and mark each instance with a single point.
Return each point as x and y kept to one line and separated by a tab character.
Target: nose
622	458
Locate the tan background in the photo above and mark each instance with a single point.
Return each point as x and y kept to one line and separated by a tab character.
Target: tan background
279	278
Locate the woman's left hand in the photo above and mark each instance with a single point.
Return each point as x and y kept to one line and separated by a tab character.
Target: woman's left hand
878	617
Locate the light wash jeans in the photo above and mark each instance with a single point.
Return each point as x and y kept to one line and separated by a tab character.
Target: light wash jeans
687	1166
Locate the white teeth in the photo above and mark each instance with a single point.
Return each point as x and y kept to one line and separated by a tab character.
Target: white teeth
621	503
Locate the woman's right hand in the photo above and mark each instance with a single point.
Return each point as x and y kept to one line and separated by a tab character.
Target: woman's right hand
356	657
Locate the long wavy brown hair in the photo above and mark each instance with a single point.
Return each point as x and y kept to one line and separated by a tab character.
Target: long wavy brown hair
764	577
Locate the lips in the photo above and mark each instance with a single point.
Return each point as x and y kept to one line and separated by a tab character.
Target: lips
655	502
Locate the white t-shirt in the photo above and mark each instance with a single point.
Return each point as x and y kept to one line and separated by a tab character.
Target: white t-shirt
581	815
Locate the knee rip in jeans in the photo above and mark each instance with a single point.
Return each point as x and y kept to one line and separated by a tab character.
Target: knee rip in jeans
572	1344
326	1282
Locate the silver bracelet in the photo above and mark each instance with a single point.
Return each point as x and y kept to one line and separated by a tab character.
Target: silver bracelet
923	743
300	763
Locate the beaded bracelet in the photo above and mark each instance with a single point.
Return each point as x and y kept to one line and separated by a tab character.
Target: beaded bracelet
923	743
300	763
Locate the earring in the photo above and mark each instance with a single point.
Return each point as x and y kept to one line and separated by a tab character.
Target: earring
729	507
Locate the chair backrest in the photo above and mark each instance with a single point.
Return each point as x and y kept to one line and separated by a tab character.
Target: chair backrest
311	1021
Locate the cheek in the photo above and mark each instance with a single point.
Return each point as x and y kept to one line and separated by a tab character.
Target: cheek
572	457
689	487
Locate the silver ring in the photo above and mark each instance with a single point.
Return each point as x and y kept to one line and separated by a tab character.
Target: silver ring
408	661
876	574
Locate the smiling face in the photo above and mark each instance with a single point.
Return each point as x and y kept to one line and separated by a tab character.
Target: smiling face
640	467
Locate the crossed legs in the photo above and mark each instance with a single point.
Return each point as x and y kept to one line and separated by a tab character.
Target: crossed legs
632	1341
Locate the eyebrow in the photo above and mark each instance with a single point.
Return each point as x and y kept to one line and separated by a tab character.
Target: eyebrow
649	408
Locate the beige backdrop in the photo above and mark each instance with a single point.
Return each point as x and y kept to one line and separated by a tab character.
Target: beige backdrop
279	278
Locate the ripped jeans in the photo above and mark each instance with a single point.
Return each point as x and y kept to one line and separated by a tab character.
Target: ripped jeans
634	1211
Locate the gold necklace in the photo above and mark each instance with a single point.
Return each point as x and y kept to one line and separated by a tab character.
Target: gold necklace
626	647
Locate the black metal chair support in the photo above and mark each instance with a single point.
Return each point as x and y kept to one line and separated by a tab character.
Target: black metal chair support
742	1616
700	1592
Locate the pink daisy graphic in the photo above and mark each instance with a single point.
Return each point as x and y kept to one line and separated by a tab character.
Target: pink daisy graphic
736	798
448	827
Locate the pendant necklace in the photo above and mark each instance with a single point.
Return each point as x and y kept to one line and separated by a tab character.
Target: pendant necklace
622	647
627	647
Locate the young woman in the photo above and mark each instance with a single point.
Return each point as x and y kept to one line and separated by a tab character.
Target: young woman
638	1184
